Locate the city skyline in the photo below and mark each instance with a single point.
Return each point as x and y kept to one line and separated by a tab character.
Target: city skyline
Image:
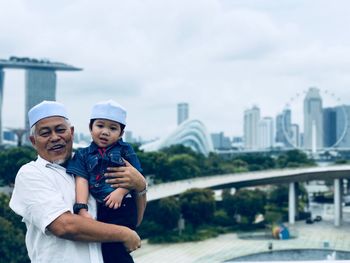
321	124
221	57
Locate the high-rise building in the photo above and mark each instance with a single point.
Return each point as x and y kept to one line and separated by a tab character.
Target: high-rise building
313	120
329	127
40	81
295	138
250	133
182	112
284	128
220	141
265	133
40	84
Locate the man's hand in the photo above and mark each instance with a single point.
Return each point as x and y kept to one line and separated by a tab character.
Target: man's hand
85	213
126	177
132	241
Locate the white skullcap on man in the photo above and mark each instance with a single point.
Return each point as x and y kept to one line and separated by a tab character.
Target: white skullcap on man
109	110
46	109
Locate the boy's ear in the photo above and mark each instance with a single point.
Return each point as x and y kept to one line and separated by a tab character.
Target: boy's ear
121	134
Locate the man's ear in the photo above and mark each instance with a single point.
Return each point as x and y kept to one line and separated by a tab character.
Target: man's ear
32	140
72	130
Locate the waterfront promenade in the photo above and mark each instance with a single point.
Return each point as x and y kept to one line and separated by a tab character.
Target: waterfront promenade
229	246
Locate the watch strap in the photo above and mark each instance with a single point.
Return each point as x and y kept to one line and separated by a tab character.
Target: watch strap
78	206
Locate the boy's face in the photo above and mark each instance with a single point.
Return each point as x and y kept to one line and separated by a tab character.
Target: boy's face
105	132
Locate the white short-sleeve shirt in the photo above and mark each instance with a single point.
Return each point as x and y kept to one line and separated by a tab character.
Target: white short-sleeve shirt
43	191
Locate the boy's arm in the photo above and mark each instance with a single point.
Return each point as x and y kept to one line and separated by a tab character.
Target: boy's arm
82	194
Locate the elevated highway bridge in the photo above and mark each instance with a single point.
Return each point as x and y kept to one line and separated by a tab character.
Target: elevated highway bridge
267	177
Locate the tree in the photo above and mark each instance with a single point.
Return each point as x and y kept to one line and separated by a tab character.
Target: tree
247	203
12	232
279	196
182	166
154	163
11	160
294	158
168	213
198	206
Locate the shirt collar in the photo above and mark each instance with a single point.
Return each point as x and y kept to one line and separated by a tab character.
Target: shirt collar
45	163
94	148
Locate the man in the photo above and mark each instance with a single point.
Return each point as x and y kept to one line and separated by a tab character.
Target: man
44	195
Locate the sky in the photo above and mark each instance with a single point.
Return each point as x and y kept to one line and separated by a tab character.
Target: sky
220	56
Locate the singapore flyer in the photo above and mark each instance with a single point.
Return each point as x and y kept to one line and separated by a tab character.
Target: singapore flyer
315	119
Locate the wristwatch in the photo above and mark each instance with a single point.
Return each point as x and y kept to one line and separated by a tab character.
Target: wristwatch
144	191
78	206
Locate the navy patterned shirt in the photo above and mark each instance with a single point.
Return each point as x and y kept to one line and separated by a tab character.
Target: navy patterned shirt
91	163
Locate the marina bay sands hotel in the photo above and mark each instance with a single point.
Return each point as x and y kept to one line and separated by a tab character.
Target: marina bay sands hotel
40	81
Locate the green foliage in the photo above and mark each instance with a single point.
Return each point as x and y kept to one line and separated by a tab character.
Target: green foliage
168	213
11	160
341	161
8	214
272	216
246	203
154	163
221	218
12	247
179	149
279	195
12	232
182	166
293	159
257	161
197	206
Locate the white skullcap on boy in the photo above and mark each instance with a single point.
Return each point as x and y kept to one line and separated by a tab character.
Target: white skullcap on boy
46	109
109	110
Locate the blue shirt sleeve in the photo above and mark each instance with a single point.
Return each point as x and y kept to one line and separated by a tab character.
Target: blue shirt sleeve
129	154
77	165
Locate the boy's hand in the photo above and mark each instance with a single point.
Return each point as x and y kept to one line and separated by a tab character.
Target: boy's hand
85	213
114	199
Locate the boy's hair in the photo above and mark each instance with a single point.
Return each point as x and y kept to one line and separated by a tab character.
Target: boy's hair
122	126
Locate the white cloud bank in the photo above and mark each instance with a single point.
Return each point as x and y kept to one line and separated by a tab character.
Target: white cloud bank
219	56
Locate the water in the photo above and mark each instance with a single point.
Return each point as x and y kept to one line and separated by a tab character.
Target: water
294	255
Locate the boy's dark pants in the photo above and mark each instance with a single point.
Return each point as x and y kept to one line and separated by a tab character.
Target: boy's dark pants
126	215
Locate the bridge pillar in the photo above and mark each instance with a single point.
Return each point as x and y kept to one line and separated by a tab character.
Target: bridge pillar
291	204
337	202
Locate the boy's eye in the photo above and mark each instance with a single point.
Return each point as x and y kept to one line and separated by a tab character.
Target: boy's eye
99	125
114	128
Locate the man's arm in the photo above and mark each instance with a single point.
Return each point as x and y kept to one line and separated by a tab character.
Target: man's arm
75	227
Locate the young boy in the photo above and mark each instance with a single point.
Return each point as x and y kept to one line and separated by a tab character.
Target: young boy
118	206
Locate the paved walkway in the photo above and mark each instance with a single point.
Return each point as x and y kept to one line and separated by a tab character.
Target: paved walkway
228	246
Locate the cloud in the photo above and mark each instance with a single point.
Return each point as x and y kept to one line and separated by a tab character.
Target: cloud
219	56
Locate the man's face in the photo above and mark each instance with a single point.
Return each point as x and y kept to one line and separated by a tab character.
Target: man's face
53	139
